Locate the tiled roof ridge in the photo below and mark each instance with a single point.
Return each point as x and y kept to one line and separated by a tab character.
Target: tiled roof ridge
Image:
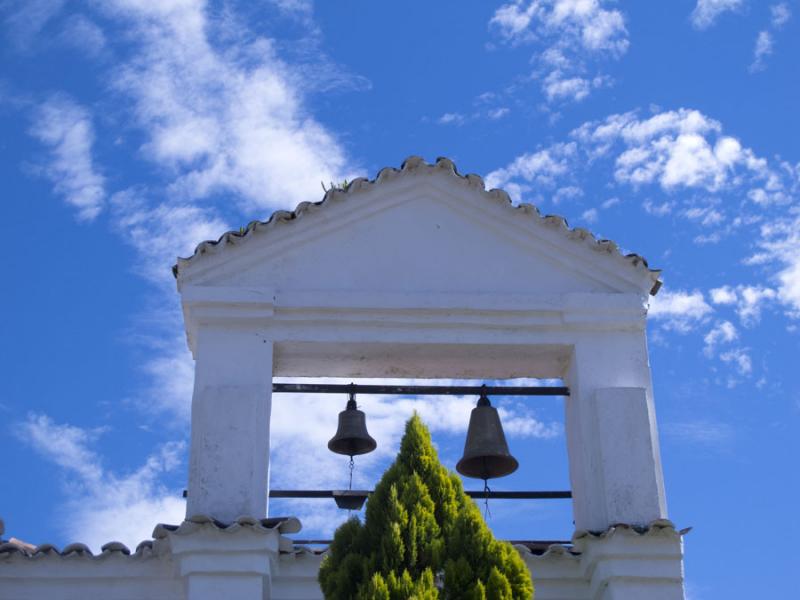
195	522
412	164
656	527
553	551
14	547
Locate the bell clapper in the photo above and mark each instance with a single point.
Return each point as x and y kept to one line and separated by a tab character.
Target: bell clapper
487	514
352	466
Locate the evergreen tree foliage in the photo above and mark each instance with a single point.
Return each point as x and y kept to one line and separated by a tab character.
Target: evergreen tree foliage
421	527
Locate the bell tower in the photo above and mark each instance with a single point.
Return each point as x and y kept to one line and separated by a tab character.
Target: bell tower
422	273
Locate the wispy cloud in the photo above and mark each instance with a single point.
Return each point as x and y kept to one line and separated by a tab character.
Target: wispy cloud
572	36
65	128
749	300
706	12
534	171
763	48
229	120
229	138
765	41
81	32
28	19
100	505
682	153
681	164
451	119
780	14
740	358
705	432
679	310
722	333
780	245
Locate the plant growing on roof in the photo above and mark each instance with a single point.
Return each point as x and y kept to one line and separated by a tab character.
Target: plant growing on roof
422	538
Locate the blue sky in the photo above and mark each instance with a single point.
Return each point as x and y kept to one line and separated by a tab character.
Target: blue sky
133	130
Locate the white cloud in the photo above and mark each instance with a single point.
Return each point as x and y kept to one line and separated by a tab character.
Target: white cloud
679	149
723	295
609	203
706	12
498	113
680	310
84	34
701	431
569	192
751	302
748	299
162	232
780	14
722	333
513	21
572	33
657	210
590	215
225	121
102	506
226	128
65	128
557	86
710	179
171	381
542	168
451	119
765	41
29	18
762	49
780	244
740	359
705	216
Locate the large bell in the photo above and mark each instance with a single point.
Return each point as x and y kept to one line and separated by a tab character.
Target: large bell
486	454
351	437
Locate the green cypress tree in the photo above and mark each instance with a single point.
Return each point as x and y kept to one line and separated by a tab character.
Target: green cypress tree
420	526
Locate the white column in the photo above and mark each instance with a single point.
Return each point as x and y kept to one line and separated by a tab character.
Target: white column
626	565
232	564
229	458
612	438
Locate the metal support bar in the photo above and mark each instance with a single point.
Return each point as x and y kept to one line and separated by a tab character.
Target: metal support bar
419	390
530	495
534	545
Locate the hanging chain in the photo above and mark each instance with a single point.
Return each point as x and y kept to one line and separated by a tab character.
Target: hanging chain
487	514
352	466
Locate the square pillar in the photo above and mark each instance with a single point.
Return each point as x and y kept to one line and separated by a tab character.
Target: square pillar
612	439
628	564
235	562
229	455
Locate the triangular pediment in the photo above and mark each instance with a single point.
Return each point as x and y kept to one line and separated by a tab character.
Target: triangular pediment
422	228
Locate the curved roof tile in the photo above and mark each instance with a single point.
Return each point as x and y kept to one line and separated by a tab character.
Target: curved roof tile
415	164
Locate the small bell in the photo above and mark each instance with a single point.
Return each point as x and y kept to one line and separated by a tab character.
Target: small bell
351	437
486	454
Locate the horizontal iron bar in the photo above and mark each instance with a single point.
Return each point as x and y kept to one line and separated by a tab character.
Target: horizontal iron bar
472	494
419	390
534	543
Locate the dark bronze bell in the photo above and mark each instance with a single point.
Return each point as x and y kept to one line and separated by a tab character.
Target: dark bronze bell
486	454
351	437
